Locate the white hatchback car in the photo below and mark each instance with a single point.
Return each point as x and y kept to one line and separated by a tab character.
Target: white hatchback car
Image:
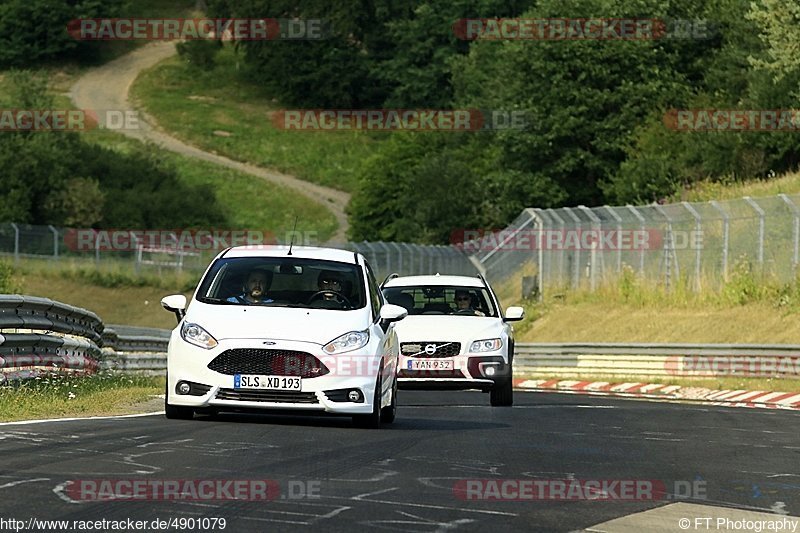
455	336
276	328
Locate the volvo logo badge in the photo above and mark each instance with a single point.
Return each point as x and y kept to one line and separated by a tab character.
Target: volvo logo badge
430	349
269	343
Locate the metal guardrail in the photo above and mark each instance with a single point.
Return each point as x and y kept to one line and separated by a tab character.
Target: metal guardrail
658	360
39	335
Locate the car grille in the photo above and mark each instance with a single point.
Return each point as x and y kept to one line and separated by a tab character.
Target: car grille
443	349
275	396
268	363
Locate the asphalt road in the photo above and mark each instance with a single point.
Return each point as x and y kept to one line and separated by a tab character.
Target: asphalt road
402	477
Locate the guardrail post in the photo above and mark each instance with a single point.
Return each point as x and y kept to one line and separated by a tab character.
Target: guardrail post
725	237
761	219
796	232
697	257
642	221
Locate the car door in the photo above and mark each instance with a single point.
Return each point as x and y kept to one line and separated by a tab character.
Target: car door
388	345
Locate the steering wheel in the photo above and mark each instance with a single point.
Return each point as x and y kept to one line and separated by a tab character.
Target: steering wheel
341	298
470	312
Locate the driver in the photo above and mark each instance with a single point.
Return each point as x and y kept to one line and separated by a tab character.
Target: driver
255	288
464	303
330	284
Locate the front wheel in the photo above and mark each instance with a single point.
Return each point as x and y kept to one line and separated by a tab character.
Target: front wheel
389	412
372	420
502	394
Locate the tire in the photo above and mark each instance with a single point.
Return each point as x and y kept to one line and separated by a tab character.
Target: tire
372	420
176	412
389	413
502	394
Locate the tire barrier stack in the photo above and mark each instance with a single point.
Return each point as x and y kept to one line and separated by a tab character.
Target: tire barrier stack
39	335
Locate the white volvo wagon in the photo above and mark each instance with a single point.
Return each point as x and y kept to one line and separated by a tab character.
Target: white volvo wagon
455	335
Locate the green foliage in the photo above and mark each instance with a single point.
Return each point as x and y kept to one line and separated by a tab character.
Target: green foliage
200	53
743	286
58	178
77	203
32	31
8	284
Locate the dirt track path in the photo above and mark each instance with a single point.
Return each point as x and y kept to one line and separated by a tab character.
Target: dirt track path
107	87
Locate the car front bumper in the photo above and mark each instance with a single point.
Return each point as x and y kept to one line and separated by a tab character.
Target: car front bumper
210	389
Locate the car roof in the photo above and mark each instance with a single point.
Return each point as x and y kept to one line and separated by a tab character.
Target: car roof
458	281
300	252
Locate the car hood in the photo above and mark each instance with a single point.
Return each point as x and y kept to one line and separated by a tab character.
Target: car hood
318	326
446	327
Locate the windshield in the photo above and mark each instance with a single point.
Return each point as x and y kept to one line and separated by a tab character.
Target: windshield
283	282
442	300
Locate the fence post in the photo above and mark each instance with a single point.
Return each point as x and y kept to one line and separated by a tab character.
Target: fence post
554	215
55	241
619	235
577	270
399	257
16	243
697	257
641	220
669	250
725	237
388	257
796	232
761	217
598	225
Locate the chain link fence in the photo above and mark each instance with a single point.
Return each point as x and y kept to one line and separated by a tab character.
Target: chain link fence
691	245
165	251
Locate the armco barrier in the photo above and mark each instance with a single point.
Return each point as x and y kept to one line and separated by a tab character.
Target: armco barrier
38	335
657	360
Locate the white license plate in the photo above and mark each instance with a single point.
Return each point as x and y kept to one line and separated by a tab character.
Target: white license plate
430	364
250	381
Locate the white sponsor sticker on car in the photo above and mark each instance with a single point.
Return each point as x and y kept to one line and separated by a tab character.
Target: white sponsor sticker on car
251	381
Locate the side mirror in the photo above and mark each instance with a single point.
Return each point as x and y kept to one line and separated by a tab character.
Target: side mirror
392	313
514	313
175	303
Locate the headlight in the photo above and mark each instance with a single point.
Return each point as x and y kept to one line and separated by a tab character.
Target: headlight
194	334
349	341
486	345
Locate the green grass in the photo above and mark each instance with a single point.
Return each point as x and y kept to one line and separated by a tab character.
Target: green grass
192	103
727	190
60	396
247	201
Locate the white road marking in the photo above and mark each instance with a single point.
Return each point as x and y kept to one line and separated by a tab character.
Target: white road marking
24	422
15	483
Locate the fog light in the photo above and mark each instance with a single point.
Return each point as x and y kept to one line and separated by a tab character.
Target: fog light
490	371
354	396
184	388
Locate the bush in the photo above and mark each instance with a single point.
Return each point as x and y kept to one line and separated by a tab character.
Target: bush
8	284
200	53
